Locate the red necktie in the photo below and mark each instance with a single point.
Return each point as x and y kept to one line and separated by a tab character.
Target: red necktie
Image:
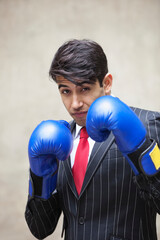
81	160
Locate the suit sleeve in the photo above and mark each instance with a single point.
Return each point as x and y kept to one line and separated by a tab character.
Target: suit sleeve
42	215
149	187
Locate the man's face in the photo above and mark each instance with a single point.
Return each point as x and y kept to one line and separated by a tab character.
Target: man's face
78	98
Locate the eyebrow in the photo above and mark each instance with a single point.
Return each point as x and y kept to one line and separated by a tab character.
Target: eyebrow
76	83
62	85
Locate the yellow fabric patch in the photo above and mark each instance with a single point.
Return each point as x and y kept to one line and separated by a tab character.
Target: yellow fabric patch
155	156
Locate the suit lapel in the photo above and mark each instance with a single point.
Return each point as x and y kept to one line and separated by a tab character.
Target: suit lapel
68	170
69	176
98	153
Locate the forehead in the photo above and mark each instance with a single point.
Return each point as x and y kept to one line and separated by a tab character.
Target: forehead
78	82
61	79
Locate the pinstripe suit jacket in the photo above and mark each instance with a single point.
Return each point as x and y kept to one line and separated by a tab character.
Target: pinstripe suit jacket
113	203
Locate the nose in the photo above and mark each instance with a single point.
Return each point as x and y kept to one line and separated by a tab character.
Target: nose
76	102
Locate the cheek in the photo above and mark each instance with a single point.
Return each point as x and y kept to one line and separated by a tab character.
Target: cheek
65	102
90	100
101	92
95	95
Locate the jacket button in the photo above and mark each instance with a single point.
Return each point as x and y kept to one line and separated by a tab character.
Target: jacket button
81	220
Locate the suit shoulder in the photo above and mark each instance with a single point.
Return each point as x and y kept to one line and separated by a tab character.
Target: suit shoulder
146	115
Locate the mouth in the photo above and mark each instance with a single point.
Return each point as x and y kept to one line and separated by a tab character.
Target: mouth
79	114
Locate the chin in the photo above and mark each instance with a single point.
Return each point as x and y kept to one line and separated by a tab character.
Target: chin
81	123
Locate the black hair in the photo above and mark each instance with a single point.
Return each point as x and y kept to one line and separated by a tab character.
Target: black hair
79	60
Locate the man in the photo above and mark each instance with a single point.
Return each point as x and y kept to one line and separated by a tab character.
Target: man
119	197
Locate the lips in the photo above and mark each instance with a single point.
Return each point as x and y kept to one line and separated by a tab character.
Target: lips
79	114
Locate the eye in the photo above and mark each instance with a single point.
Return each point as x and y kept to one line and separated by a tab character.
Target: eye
85	89
65	91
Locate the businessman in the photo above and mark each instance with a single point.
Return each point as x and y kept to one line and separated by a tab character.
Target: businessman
103	170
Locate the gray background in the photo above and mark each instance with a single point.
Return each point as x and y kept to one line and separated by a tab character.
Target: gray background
30	33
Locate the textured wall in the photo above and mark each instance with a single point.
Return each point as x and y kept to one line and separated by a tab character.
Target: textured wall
30	33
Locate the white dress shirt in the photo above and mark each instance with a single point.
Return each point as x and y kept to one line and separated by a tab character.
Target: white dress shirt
76	136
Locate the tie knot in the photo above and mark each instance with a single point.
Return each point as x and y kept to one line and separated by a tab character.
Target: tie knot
83	133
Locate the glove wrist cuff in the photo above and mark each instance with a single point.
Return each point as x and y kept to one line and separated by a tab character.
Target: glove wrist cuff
35	184
42	187
147	158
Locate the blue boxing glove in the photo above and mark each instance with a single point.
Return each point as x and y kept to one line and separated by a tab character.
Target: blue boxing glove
50	142
108	114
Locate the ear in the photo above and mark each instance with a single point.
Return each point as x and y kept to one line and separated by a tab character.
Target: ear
107	84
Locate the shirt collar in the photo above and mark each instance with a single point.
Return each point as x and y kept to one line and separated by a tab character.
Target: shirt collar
77	131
